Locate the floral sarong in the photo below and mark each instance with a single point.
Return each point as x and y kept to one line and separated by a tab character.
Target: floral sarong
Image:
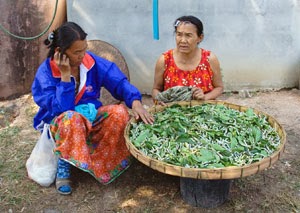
97	148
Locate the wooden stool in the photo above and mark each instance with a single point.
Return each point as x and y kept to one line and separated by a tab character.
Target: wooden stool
111	53
204	193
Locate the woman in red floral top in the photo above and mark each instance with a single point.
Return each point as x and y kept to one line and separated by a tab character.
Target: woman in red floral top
187	64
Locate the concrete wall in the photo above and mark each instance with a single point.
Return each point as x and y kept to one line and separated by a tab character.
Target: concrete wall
256	41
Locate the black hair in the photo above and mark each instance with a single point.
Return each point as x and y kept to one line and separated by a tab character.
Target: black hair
193	20
63	37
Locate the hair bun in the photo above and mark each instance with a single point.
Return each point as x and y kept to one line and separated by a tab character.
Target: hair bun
51	37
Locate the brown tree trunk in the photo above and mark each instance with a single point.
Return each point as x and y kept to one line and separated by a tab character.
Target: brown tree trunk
20	58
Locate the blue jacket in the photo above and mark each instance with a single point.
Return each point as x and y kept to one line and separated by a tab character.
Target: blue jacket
55	97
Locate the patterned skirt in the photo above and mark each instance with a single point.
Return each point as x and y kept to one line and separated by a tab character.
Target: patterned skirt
98	148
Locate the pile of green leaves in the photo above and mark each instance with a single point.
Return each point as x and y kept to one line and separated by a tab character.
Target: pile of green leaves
206	136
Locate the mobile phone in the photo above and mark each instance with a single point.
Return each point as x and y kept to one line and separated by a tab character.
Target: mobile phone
61	53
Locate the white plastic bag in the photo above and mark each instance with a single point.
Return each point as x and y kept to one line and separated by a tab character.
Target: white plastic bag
42	163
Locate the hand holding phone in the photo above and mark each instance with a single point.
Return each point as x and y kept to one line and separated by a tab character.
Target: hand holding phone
63	64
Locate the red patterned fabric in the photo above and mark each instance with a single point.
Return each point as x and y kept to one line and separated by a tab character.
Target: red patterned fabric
99	149
200	77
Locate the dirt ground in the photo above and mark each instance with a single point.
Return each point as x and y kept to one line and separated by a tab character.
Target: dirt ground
141	189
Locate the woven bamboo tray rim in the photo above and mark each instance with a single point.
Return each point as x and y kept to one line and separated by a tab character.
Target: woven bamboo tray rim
230	172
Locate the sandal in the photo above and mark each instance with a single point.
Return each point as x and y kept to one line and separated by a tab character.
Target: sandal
63	186
63	174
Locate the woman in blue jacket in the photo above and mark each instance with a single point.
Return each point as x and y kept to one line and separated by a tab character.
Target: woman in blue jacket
67	90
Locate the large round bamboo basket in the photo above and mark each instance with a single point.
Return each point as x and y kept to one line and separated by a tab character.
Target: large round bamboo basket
209	174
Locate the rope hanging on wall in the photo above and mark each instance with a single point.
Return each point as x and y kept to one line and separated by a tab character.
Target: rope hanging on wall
155	20
33	37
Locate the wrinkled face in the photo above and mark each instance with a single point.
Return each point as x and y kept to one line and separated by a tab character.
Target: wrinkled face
76	52
187	38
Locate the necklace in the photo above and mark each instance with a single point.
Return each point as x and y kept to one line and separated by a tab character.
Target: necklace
76	75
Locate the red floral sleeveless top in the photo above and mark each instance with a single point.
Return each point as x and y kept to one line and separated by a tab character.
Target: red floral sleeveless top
200	77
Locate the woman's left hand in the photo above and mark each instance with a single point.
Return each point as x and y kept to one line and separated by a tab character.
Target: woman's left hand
197	94
140	112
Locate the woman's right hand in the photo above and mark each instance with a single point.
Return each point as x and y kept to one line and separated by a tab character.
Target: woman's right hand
63	64
157	102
